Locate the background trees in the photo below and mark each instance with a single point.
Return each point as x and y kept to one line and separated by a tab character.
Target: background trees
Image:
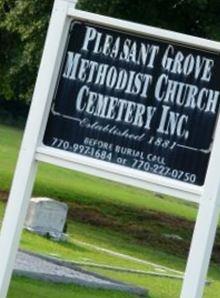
23	26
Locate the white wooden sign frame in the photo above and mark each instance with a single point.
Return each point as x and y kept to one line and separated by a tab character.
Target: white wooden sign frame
32	151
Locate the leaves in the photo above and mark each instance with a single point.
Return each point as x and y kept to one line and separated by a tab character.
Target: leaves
23	26
22	30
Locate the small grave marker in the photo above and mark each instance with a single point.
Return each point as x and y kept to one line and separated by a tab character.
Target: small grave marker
46	217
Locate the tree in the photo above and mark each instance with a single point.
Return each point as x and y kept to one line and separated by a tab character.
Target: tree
196	17
23	26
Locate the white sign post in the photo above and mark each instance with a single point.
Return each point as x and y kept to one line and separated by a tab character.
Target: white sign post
33	150
205	228
27	164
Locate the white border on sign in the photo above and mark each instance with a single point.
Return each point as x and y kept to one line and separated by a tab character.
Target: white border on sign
113	171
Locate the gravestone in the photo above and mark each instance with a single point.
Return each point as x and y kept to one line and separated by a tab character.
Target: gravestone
46	216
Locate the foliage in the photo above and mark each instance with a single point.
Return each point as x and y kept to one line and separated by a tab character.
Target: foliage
196	17
22	32
23	27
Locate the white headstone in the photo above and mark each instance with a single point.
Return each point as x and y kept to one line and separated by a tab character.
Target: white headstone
46	216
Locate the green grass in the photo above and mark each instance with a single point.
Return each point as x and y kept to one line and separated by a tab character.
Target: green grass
2	209
80	187
26	288
74	251
90	191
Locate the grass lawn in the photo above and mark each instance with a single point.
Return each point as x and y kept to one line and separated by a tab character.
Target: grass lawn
88	192
26	288
77	250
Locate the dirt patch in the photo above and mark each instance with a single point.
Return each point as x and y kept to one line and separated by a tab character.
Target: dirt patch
147	227
3	195
171	234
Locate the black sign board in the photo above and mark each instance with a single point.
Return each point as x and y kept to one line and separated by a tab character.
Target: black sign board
135	101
